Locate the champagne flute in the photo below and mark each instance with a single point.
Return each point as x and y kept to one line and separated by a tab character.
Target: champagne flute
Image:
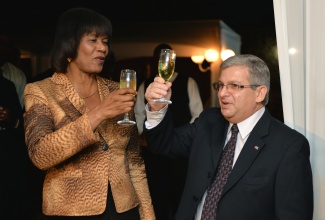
166	67
128	79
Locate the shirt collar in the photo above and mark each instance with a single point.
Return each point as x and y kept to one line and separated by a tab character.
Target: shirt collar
245	127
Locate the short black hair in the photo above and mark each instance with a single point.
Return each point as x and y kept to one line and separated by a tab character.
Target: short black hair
158	48
155	58
72	26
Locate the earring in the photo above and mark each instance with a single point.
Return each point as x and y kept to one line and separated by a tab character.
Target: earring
69	59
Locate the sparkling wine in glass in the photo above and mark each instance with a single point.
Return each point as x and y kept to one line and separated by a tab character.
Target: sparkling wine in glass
128	79
166	67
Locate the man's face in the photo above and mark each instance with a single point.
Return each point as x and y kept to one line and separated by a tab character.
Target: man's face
238	104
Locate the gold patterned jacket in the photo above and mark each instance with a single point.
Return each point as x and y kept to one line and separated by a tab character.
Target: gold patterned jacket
76	159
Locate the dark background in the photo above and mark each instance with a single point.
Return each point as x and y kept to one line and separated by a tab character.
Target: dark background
20	16
253	20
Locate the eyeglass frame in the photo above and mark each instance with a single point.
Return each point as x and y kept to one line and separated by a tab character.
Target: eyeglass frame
235	87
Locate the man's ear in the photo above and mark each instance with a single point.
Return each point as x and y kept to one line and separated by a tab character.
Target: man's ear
261	92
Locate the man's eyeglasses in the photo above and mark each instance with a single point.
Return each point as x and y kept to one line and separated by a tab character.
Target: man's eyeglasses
232	87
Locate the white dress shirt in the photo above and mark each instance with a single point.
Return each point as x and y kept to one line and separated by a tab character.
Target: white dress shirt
245	127
18	77
195	104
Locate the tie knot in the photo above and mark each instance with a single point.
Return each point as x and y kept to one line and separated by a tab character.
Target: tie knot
234	129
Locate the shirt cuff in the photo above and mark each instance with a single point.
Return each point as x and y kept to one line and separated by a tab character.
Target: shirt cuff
154	117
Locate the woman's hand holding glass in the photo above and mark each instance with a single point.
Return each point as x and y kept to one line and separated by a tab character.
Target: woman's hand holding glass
128	79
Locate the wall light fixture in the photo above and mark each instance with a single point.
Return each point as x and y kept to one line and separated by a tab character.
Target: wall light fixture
225	54
211	56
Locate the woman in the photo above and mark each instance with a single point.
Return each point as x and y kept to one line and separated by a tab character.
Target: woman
94	167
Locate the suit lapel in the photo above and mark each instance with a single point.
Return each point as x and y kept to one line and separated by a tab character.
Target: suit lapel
102	88
250	151
103	129
62	80
66	86
218	142
108	129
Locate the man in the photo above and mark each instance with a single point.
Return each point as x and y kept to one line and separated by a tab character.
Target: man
271	175
10	71
166	176
187	103
13	155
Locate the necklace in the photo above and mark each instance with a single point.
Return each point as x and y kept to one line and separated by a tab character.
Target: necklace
90	95
75	87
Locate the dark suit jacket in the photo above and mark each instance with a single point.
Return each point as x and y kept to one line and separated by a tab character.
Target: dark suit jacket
271	179
10	100
13	156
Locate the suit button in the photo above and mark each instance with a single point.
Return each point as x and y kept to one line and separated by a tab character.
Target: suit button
195	198
209	175
105	147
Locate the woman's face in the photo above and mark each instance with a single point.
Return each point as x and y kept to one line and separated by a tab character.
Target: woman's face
92	52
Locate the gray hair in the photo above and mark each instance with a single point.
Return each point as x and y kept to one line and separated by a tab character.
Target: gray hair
259	72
